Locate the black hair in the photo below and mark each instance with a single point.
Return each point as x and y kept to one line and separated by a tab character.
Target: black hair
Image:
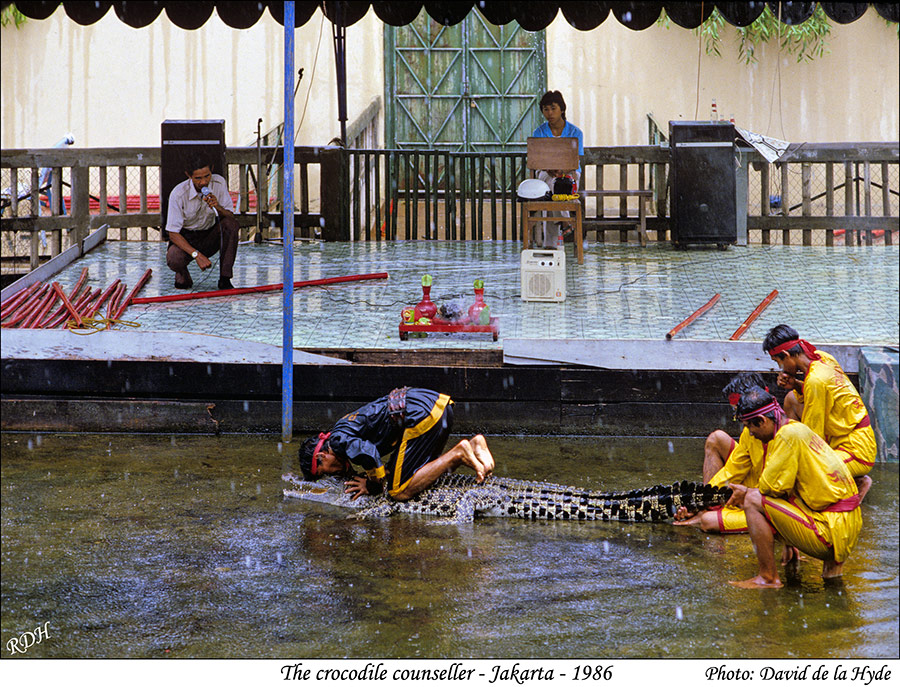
554	97
754	399
778	335
742	382
195	161
305	457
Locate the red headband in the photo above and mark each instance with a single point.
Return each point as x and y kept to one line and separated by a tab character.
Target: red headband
759	412
805	346
322	437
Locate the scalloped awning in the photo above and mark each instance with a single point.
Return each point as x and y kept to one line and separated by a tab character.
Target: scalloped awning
532	16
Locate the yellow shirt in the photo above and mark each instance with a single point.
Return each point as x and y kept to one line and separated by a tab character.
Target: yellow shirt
832	407
800	463
745	463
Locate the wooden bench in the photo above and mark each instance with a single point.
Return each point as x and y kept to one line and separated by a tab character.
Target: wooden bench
643	196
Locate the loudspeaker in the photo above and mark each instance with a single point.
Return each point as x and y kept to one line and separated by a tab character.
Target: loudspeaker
704	195
544	275
182	138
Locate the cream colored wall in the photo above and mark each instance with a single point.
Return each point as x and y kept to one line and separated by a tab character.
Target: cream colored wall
612	77
111	85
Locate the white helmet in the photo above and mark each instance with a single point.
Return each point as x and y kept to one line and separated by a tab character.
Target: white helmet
533	189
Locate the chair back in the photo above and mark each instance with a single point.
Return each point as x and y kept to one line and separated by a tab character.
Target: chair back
551	153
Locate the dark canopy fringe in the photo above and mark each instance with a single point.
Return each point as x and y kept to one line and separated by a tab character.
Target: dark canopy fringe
345	13
240	15
532	16
637	15
689	15
448	13
741	13
844	12
138	14
189	15
86	13
585	16
397	13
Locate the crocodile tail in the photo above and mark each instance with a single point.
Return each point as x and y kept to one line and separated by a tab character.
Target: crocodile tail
658	503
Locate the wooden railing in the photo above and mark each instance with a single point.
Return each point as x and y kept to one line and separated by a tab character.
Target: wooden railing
818	195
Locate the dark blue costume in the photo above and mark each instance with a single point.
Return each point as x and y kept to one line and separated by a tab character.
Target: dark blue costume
410	425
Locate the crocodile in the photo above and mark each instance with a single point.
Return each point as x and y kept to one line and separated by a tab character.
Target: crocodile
458	498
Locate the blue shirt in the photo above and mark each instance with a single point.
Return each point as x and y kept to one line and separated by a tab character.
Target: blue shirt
569	131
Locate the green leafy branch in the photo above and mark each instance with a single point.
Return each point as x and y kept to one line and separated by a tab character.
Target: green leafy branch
10	14
807	40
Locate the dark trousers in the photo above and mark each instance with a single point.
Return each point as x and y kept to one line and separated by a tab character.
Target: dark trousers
223	235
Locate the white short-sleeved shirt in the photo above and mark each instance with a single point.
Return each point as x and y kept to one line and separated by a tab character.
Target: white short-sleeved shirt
188	210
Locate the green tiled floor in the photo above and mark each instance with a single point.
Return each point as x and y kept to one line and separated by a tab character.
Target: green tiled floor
831	295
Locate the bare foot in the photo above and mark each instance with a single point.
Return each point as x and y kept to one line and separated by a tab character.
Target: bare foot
686	518
790	554
863	484
831	569
483	453
757	582
468	457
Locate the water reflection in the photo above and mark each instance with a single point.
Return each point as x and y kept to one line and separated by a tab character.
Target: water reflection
139	546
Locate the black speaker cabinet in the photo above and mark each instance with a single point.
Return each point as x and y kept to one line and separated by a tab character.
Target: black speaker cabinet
702	176
180	139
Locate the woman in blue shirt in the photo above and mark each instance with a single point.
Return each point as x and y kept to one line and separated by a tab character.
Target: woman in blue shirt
553	107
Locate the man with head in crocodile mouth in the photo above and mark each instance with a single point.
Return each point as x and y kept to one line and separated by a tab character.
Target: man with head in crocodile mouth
409	425
806	494
728	461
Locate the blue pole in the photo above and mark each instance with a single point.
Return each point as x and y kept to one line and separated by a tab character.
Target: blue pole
287	309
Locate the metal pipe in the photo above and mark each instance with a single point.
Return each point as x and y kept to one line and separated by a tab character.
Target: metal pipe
287	234
677	328
256	289
756	313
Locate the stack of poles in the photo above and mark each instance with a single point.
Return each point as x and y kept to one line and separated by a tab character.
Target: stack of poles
31	307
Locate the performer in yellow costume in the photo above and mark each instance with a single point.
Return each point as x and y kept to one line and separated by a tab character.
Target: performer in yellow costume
806	494
726	460
824	399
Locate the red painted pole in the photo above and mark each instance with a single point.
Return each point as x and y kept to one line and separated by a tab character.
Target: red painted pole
68	304
712	301
36	314
28	307
11	304
143	280
257	289
62	308
62	315
105	295
756	313
114	304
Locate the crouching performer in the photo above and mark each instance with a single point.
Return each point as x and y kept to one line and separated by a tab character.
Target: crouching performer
728	461
806	494
411	426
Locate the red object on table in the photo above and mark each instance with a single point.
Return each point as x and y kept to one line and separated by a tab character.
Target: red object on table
447	327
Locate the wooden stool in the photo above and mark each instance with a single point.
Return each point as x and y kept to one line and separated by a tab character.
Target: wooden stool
529	220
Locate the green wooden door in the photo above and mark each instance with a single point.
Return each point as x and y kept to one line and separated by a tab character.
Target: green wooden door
469	87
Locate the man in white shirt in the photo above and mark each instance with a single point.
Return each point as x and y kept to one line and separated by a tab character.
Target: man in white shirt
200	223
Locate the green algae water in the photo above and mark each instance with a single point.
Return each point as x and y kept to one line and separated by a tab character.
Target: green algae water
139	546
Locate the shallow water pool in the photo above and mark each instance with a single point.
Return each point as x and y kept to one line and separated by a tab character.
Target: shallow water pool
182	546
